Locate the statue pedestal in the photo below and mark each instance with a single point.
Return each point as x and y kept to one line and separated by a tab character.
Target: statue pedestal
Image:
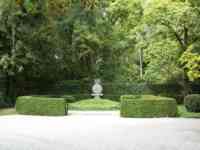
97	96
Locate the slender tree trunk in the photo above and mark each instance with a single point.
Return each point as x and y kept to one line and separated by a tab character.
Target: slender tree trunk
10	79
141	63
10	89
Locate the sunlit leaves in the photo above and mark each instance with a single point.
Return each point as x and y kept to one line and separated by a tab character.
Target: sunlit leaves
191	62
180	18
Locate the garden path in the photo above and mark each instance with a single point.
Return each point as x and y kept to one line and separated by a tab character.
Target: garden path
97	131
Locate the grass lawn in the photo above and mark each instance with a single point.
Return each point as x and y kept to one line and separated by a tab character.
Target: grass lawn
93	104
8	111
185	114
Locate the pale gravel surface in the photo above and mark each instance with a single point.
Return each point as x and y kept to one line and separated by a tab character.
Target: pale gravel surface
98	131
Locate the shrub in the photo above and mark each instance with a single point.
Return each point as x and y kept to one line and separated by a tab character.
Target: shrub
192	102
147	106
33	105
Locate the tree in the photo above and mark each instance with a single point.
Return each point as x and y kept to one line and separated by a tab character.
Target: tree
45	41
179	18
126	17
161	61
175	21
24	43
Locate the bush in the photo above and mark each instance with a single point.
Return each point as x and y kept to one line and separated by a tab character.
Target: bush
34	105
192	102
147	106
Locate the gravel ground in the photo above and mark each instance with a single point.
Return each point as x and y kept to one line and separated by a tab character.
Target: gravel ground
97	131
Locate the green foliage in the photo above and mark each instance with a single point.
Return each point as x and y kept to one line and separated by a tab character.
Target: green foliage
183	112
148	106
33	105
161	58
113	90
176	21
191	61
45	41
125	16
94	104
192	102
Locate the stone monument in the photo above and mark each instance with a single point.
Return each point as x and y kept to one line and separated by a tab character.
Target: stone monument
97	89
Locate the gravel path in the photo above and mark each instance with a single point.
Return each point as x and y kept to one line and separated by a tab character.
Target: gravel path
97	131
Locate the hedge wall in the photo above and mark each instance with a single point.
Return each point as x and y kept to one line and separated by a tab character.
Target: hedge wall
111	90
148	106
34	105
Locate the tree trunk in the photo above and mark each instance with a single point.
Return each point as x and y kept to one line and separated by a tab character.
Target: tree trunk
10	90
141	63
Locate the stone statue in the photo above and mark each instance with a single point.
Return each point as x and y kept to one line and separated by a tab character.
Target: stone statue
97	89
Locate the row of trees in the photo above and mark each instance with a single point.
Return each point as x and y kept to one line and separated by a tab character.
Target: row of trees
153	41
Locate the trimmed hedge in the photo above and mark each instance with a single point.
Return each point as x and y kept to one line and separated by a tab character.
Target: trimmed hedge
192	102
34	105
144	97
147	106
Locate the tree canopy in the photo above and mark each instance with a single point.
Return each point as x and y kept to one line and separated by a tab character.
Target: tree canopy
153	41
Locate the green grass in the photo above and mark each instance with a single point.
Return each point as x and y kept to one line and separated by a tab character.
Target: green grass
93	104
185	114
7	111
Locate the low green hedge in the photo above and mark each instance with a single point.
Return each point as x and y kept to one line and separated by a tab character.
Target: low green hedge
35	105
144	97
147	106
192	102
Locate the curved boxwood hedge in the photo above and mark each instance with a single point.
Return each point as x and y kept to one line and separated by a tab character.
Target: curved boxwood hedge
35	105
147	106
